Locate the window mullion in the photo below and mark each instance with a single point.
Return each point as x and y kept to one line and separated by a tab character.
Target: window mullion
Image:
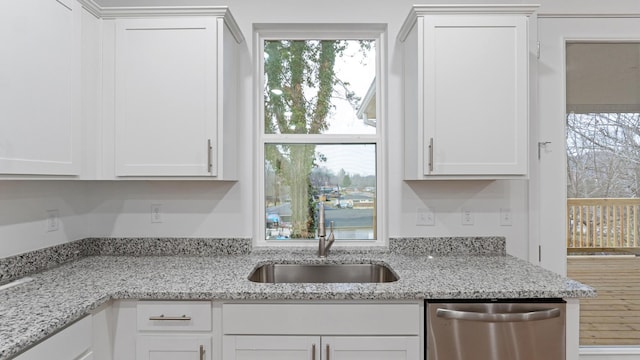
285	155
320	139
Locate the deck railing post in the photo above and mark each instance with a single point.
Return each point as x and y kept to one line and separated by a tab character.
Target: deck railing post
603	223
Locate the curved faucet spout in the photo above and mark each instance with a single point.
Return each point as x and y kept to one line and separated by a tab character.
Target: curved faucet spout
324	243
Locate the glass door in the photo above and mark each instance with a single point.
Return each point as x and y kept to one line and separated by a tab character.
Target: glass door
589	171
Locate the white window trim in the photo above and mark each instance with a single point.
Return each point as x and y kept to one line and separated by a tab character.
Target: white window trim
375	32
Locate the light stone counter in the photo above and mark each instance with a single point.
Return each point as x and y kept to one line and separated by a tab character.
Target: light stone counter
56	297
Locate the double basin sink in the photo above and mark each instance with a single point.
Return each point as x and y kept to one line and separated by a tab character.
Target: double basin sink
323	273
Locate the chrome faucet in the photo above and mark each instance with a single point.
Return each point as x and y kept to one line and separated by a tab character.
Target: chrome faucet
324	244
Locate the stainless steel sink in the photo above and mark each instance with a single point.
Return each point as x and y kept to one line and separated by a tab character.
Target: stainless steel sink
323	273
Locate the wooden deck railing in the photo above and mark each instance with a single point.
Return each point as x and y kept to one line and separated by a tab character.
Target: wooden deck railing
603	223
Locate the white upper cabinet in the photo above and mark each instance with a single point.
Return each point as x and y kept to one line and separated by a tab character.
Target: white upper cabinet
40	88
173	101
466	89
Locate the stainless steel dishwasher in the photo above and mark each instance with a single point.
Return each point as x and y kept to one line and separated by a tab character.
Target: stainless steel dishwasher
496	330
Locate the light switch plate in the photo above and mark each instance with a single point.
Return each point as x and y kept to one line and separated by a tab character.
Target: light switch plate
467	216
425	217
156	213
53	220
506	218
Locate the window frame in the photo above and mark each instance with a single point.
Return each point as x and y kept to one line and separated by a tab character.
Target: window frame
376	32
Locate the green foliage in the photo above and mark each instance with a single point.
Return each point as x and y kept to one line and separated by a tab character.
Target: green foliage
292	69
300	80
346	181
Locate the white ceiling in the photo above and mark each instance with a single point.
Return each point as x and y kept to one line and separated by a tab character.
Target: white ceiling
126	3
546	6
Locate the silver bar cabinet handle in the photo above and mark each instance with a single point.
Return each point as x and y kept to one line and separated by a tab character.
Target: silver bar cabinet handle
327	357
209	160
313	352
173	318
202	352
430	154
500	317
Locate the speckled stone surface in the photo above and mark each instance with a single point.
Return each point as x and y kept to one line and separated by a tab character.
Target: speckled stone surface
169	246
31	311
14	267
20	265
480	245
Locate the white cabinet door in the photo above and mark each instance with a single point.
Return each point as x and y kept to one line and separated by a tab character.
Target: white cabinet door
476	94
173	347
165	96
71	343
40	87
271	347
467	95
371	347
325	347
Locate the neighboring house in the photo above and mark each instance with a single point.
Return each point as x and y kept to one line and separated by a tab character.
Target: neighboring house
367	109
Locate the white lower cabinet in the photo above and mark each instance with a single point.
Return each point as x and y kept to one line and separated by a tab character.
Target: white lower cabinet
246	347
324	331
205	330
161	330
173	347
173	330
265	347
370	347
71	343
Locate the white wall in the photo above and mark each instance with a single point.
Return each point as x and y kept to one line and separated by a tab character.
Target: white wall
187	209
447	199
212	209
226	209
23	214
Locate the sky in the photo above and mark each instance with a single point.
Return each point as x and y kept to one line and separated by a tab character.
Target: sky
359	74
353	158
360	159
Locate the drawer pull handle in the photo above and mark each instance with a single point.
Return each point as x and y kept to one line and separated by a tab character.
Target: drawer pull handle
201	352
328	352
209	156
431	150
498	317
313	352
173	318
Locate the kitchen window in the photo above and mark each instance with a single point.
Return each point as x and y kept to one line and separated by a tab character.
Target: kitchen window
320	130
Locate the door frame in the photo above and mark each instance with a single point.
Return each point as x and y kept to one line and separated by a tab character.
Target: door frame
548	192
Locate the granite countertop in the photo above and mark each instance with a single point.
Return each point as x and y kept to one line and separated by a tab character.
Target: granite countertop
56	297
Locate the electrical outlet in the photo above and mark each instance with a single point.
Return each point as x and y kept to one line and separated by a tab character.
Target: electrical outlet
53	220
467	217
506	218
156	213
425	217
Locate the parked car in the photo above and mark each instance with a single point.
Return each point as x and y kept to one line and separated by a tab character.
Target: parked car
273	221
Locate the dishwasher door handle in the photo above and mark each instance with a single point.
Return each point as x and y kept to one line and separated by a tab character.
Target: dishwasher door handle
498	317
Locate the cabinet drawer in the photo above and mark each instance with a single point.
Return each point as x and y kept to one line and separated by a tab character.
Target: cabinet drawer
174	316
326	319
